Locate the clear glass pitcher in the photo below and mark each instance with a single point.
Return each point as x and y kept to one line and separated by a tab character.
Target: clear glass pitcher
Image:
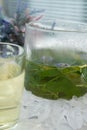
56	54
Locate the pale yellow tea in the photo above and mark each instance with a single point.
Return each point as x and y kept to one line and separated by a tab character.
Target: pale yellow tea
11	88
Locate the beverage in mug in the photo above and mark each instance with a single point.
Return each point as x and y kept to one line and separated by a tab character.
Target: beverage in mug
11	83
53	78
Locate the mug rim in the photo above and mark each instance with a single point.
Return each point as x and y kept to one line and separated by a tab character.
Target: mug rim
63	26
21	50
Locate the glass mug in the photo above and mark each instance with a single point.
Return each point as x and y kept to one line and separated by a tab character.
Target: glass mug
56	54
11	83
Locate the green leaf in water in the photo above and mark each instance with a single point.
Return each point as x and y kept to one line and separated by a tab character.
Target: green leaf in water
53	82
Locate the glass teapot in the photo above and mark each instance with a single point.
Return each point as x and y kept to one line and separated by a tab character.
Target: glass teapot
56	59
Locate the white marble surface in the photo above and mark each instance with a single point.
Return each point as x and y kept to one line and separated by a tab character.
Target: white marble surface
42	114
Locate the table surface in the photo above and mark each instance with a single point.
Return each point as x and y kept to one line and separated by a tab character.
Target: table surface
43	114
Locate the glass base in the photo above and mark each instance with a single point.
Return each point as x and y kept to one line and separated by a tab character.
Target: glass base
8	125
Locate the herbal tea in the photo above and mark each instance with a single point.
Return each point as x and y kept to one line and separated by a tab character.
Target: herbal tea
11	88
56	75
11	83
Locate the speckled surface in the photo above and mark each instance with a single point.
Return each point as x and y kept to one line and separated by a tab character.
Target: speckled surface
42	114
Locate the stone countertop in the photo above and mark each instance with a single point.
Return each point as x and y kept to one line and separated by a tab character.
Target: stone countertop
43	114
